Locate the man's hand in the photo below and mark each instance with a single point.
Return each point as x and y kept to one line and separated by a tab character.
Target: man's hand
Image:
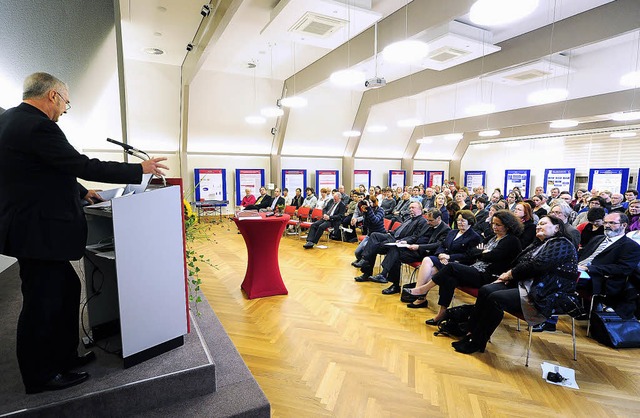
93	197
583	268
413	247
325	217
152	166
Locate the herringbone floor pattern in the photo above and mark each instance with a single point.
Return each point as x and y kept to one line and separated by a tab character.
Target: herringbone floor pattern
334	347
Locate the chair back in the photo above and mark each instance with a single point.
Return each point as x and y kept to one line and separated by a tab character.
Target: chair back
387	224
303	212
395	226
290	210
316	214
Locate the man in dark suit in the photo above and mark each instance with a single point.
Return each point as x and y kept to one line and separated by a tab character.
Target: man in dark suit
331	217
276	201
262	202
430	238
408	232
44	234
610	258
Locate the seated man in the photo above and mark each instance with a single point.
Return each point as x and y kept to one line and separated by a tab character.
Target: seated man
331	217
408	233
617	203
276	201
352	217
263	201
401	210
429	239
609	259
248	199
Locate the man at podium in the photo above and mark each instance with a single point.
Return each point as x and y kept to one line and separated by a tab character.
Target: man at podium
44	234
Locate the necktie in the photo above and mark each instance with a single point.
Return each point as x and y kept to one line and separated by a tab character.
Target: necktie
604	244
275	201
333	209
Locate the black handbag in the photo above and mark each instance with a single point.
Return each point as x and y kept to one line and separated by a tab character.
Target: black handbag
611	330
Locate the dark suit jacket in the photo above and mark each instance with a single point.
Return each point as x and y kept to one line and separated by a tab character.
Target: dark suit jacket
279	203
338	213
35	156
411	232
459	249
616	262
432	238
262	202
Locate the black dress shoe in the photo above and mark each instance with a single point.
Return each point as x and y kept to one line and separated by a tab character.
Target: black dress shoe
59	382
433	322
359	264
81	361
394	288
469	347
379	278
422	304
363	278
353	263
308	245
545	326
408	297
461	342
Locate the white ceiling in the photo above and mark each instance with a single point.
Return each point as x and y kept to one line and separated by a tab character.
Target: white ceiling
594	69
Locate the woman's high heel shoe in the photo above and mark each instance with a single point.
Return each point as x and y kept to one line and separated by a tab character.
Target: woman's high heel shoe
422	304
433	322
470	347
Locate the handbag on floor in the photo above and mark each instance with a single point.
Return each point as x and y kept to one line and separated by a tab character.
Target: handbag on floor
609	329
455	322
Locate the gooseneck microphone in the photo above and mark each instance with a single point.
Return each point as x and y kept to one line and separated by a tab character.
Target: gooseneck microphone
129	149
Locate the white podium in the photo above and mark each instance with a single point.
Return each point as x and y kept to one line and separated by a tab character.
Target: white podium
137	287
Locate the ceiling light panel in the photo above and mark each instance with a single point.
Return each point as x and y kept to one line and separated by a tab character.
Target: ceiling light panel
536	71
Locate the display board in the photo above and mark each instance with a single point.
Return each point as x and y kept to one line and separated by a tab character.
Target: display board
251	179
519	179
474	179
328	179
562	178
293	179
435	178
397	178
419	177
211	183
616	180
362	177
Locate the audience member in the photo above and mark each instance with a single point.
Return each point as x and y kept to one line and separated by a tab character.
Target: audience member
630	195
452	209
287	197
480	212
484	228
324	199
633	213
345	197
525	214
617	203
561	210
311	200
297	199
401	210
276	201
331	217
388	203
428	201
440	204
594	202
511	201
554	194
263	201
539	201
248	199
593	227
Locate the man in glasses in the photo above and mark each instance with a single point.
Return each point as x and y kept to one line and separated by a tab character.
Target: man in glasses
45	234
608	259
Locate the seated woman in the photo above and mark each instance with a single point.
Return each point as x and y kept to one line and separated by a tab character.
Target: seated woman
248	199
388	203
524	213
542	280
593	227
539	201
456	247
452	208
373	221
633	212
440	203
484	228
493	259
311	199
324	198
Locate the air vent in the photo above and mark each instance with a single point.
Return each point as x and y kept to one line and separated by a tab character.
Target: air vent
317	25
528	75
447	53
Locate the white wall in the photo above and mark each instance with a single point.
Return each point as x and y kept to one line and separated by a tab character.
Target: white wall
379	170
311	165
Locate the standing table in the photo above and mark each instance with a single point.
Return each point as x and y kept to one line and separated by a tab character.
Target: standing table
262	237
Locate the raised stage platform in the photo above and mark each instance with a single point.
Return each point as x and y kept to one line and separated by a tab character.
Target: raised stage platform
205	377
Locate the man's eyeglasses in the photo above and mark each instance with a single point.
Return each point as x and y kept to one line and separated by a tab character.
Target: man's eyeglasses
66	102
610	223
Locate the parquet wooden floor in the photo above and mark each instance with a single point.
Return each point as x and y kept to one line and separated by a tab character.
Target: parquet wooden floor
334	347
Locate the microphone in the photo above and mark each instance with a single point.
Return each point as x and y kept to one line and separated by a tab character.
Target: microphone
129	149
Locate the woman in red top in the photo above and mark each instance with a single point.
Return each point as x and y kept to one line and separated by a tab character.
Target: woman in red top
248	199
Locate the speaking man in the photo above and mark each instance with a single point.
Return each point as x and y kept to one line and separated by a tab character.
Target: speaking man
45	234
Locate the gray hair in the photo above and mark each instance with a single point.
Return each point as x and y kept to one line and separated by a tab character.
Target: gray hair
38	84
566	209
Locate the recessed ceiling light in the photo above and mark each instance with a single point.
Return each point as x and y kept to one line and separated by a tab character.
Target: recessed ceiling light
623	135
480	109
563	123
294	101
255	120
425	140
453	137
547	96
408	123
377	128
631	79
347	78
500	12
492	132
161	9
157	33
153	51
351	134
405	52
271	112
625	116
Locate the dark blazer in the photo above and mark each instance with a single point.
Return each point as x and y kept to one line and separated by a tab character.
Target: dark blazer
35	156
501	257
279	203
432	238
460	249
297	201
338	213
615	262
262	202
411	230
528	233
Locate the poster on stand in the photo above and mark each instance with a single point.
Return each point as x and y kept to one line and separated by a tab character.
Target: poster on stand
419	177
562	178
616	180
294	179
251	179
211	184
362	177
519	179
435	178
397	178
328	179
474	179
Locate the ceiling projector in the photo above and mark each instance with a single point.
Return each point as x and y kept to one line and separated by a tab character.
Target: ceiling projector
375	83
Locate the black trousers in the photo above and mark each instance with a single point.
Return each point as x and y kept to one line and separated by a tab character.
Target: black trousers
375	246
393	262
317	229
453	275
48	335
493	300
